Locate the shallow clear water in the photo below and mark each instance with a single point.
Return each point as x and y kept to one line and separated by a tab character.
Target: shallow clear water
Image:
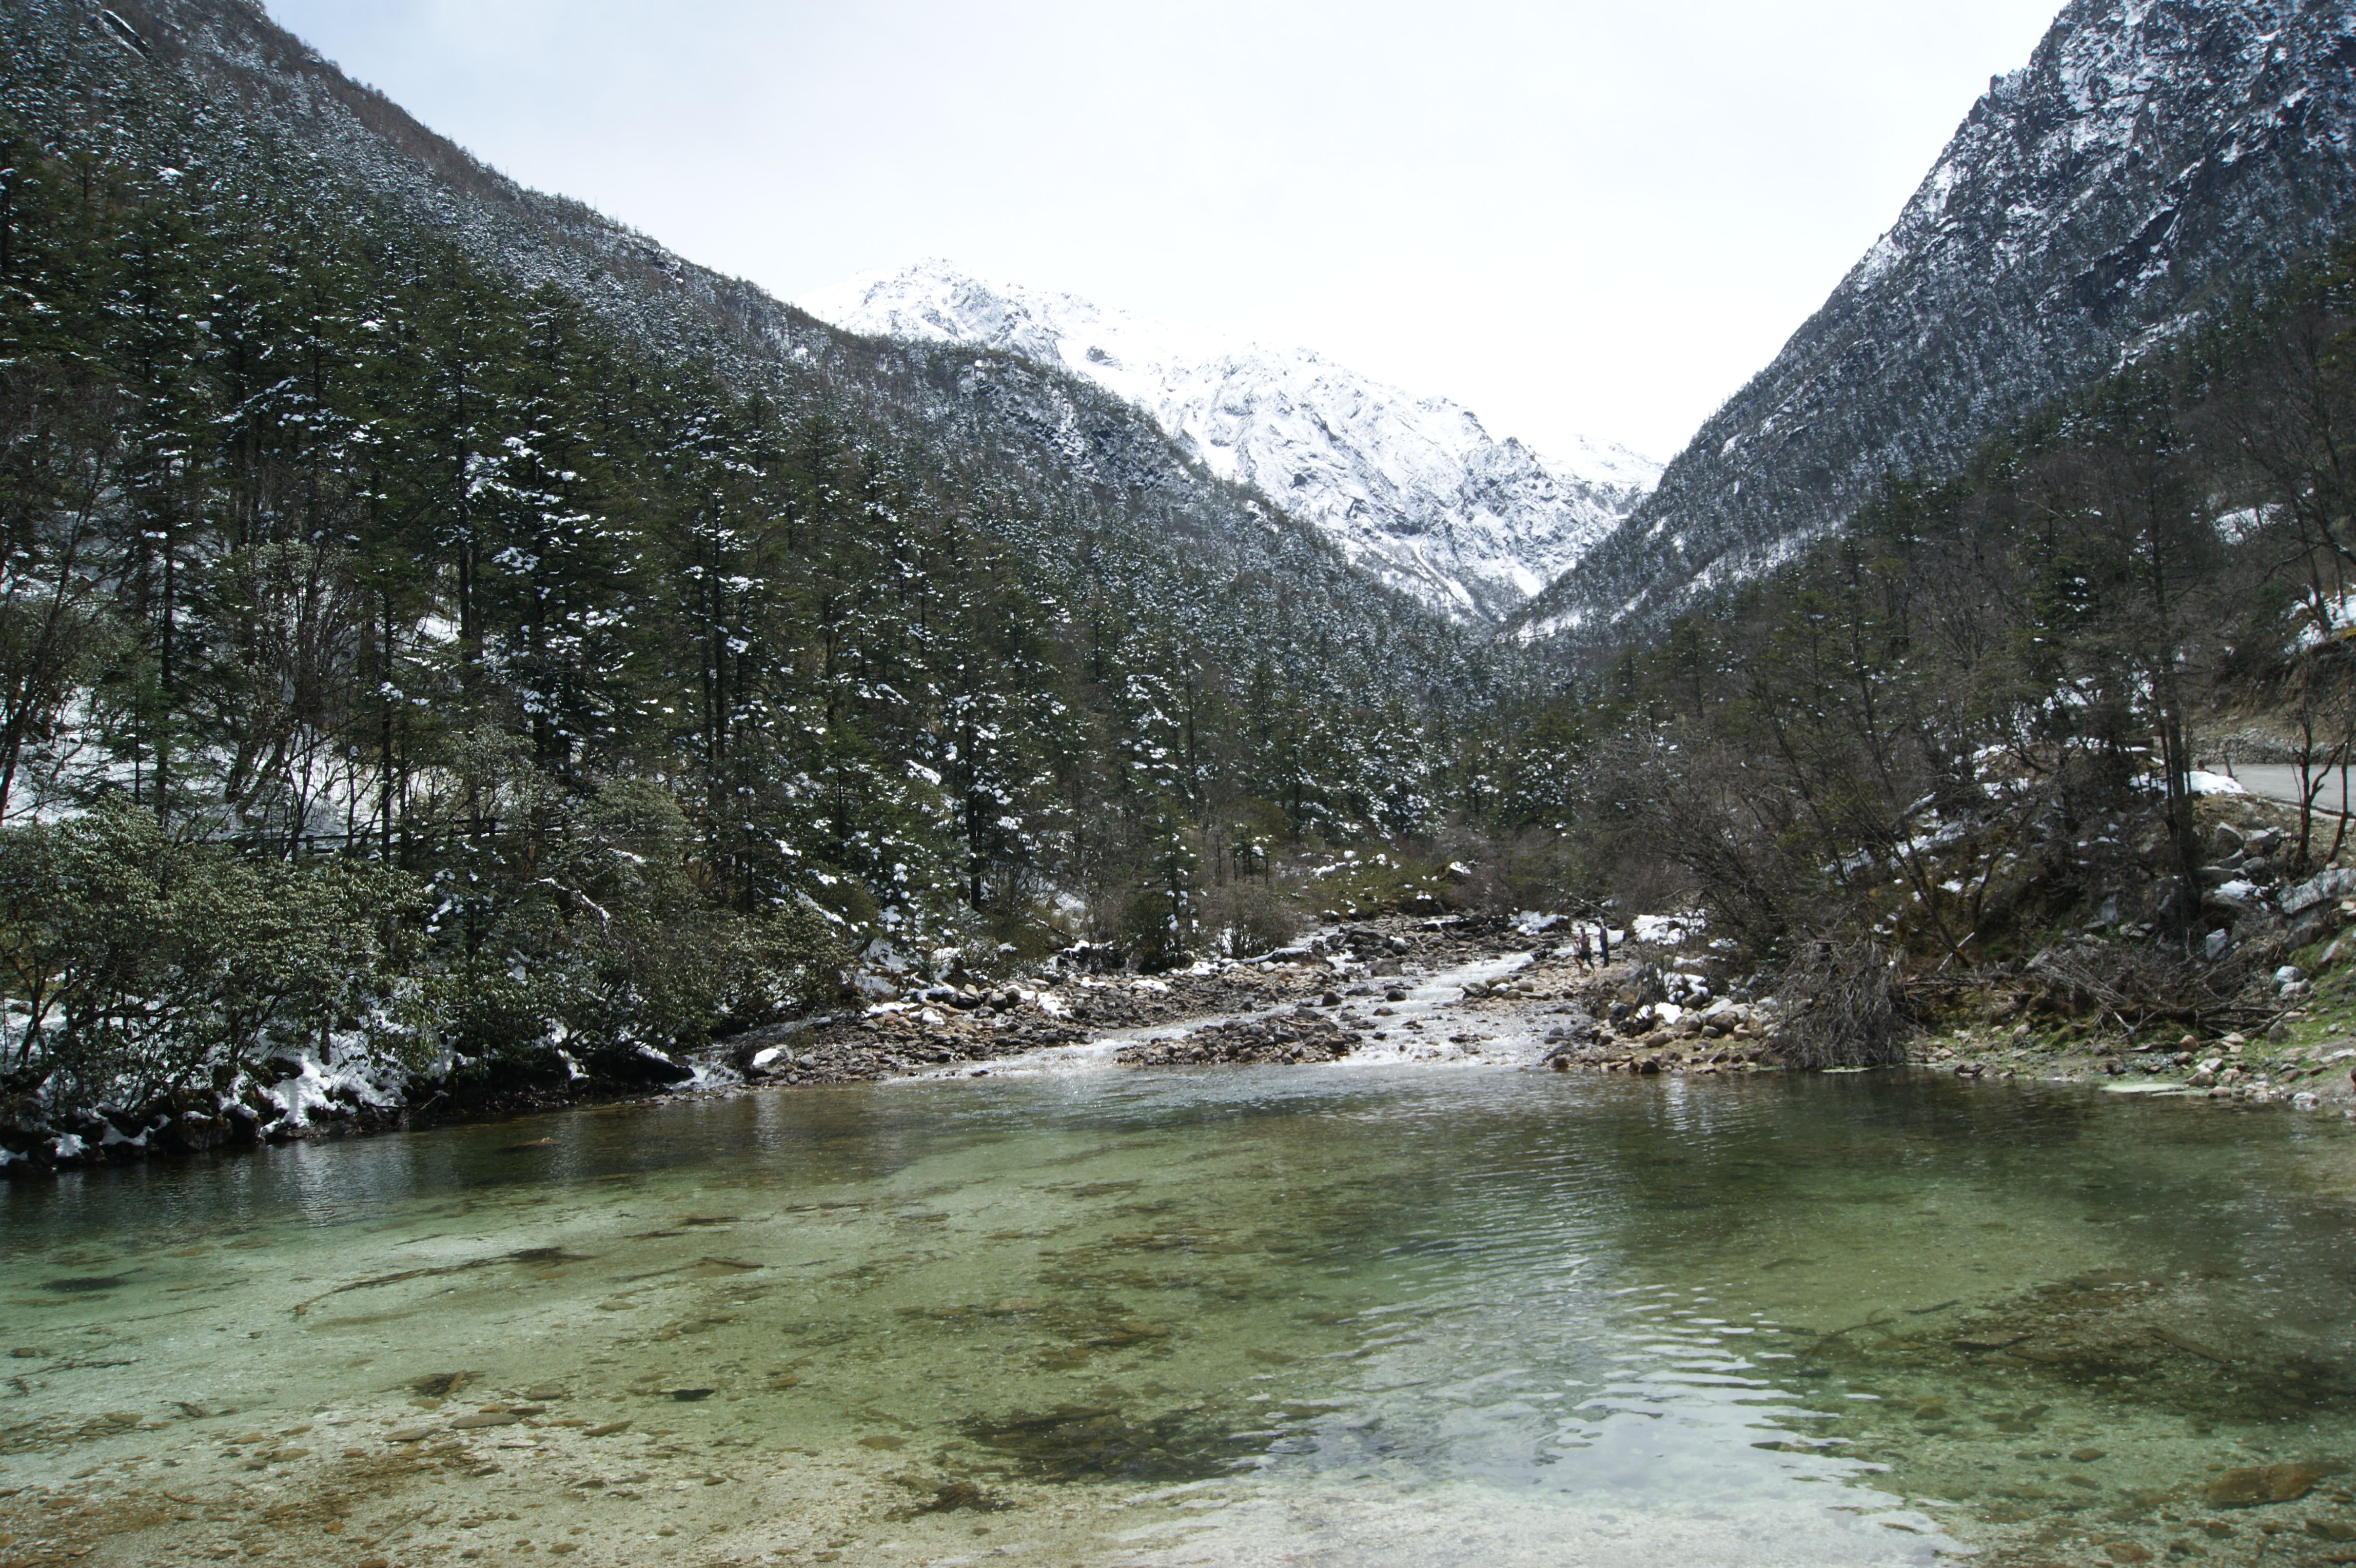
1363	1315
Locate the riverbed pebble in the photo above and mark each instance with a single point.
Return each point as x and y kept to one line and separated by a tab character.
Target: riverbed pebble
1294	1040
2251	1486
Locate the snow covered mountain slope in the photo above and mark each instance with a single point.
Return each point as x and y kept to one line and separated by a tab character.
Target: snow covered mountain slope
1411	489
2153	159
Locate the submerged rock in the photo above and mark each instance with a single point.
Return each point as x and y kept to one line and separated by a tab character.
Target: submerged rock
962	1495
2254	1486
1101	1440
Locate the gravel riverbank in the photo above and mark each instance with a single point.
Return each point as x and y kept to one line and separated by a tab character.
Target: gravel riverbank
1453	988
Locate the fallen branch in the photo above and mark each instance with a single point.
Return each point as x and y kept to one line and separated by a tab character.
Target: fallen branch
303	1306
526	1255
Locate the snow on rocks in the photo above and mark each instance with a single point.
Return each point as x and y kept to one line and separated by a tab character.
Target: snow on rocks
299	1098
331	1087
1665	930
1661	1037
2340	882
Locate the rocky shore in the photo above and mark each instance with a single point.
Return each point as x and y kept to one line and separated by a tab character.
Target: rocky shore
1294	1041
1668	1004
2302	1073
950	1025
1299	1004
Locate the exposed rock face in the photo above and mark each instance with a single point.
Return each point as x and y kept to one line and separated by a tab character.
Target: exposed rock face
2155	156
1411	489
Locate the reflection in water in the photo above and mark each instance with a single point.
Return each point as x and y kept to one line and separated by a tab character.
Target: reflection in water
1350	1316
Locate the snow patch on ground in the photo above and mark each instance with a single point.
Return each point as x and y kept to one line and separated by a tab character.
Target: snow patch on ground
2339	621
1667	930
350	1075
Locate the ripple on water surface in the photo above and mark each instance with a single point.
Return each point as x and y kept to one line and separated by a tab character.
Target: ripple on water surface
1242	1317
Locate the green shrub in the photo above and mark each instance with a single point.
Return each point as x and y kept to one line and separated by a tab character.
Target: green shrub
1247	919
135	964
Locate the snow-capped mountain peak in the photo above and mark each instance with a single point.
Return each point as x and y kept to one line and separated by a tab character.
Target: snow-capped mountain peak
1412	489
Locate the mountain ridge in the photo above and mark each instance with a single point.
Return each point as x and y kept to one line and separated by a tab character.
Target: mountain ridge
2153	157
1148	568
1411	487
658	299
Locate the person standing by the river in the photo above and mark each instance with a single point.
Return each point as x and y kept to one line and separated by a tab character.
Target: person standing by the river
1586	948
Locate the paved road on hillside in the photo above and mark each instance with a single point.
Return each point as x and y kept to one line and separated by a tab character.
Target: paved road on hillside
2280	781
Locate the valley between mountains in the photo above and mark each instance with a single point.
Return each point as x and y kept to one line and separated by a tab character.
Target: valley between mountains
966	925
466	656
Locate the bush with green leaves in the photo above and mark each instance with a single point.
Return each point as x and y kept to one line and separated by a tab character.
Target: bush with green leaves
135	964
648	959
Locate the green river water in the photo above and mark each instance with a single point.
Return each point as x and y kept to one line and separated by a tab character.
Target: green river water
1369	1315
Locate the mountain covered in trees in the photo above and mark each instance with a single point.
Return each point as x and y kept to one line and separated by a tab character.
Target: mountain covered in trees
440	626
1941	763
2155	160
1412	490
446	639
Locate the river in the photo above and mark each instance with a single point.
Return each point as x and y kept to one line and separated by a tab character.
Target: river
1369	1315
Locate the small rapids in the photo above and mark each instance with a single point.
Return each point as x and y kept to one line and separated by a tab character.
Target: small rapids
1427	996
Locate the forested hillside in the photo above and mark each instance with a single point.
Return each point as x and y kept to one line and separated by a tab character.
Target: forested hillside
1951	753
440	628
447	642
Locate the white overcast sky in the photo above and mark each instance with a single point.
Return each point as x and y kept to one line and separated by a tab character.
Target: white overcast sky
1590	216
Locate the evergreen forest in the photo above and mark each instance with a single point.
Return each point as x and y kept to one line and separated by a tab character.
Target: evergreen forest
403	661
484	650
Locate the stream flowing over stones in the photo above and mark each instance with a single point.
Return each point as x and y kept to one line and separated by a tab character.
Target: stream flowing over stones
1422	1303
